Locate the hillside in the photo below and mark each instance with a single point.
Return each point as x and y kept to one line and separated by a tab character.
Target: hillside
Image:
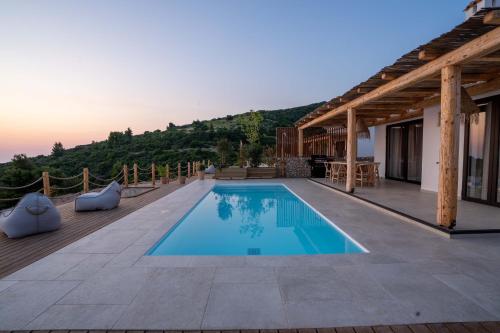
176	143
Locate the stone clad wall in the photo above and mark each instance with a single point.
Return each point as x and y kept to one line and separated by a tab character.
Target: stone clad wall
297	167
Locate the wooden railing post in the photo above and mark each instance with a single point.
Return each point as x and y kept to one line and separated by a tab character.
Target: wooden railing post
189	170
46	183
178	171
85	180
125	175
153	174
300	142
136	175
167	172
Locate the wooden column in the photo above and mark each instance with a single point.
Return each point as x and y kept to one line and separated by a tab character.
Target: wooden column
189	169
125	175
136	175
153	174
167	172
85	180
46	183
301	142
352	141
448	152
178	170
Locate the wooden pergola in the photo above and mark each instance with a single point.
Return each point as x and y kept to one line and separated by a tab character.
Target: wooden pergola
448	70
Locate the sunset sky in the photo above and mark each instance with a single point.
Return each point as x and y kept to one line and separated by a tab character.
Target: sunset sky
72	71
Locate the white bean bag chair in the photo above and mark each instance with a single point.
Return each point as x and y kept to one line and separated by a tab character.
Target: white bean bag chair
210	169
108	198
33	214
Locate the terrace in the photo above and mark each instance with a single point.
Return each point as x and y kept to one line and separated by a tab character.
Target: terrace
420	206
104	280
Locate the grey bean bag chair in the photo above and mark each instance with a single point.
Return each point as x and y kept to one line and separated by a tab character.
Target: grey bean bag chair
33	214
108	198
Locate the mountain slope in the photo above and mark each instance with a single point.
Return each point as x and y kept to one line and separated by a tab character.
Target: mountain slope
177	143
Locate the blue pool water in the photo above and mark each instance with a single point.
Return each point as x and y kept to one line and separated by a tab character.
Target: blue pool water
253	220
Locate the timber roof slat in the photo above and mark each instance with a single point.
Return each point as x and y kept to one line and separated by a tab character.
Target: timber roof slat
445	43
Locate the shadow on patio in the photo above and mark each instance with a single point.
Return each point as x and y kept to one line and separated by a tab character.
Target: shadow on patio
408	199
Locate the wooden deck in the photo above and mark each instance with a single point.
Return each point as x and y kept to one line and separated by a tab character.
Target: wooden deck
18	253
468	327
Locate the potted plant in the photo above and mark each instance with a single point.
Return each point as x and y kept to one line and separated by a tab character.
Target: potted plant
201	172
163	174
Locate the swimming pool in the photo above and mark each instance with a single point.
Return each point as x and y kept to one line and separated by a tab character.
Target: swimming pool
254	219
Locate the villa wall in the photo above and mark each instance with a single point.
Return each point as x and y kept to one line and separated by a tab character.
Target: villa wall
431	144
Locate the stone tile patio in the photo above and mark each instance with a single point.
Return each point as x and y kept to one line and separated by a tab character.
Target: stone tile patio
104	281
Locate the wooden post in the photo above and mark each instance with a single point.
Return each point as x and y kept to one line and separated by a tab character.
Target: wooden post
125	175
153	174
85	180
167	172
352	141
208	164
189	170
301	142
136	175
179	170
46	183
448	152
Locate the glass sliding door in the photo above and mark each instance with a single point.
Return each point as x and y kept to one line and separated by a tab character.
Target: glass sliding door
498	176
395	151
415	138
404	151
478	156
481	181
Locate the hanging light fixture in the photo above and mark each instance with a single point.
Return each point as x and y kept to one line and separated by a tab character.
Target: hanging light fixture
362	129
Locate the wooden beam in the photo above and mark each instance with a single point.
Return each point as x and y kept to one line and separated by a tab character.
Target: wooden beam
483	45
362	90
352	140
492	17
404	116
472	91
388	76
428	55
488	59
448	151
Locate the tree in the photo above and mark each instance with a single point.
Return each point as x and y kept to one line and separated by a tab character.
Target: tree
223	149
251	125
170	126
255	154
115	138
57	149
128	134
270	156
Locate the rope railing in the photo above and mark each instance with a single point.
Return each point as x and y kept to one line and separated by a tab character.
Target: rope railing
87	181
106	179
65	178
56	188
20	187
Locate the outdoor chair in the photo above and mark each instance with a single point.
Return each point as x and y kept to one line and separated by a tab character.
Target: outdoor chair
340	173
106	199
328	171
33	214
363	174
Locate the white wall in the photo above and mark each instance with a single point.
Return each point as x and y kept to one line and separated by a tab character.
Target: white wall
379	148
430	150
